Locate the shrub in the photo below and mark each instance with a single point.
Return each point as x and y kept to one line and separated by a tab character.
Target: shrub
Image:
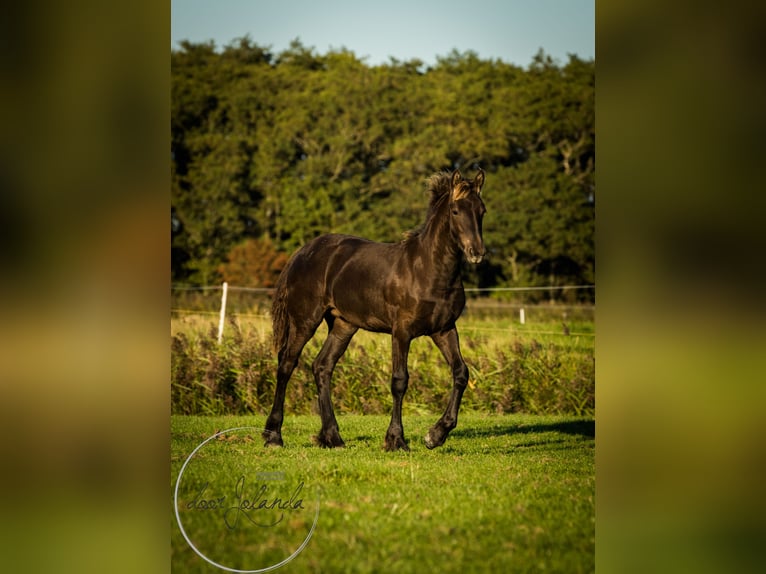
253	263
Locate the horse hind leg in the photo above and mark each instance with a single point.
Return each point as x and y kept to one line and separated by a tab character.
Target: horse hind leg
339	336
287	361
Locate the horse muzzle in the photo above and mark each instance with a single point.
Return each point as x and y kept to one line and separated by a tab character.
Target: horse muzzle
474	255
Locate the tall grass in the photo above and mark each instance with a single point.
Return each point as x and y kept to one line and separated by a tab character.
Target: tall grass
534	368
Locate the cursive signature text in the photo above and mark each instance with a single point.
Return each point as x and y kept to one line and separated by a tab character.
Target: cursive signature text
259	506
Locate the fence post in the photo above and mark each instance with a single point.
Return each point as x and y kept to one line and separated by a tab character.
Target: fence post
223	312
522	319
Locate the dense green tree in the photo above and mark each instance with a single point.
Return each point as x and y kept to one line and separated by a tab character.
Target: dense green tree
288	146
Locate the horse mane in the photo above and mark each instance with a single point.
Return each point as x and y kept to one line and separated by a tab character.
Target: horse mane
439	186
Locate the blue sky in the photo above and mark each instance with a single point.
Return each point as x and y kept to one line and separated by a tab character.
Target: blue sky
511	30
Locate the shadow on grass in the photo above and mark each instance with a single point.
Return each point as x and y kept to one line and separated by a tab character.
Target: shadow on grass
584	428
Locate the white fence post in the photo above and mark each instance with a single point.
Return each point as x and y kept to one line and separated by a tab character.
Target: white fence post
223	312
522	319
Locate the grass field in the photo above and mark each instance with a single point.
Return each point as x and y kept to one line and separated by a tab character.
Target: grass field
506	493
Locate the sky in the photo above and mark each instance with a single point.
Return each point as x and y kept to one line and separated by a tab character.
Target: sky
377	30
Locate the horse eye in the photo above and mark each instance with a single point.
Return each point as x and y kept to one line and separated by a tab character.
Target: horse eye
454	212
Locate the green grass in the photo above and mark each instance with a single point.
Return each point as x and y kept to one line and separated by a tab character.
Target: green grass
506	493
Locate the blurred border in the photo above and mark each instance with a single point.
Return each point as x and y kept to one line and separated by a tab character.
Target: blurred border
84	167
680	361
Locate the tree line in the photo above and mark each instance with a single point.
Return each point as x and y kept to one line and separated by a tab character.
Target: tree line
270	150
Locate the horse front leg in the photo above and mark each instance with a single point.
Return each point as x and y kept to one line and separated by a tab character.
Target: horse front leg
449	345
399	381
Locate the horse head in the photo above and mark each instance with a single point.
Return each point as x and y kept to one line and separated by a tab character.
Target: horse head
466	213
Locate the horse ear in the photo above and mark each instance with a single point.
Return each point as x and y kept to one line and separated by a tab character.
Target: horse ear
455	190
479	180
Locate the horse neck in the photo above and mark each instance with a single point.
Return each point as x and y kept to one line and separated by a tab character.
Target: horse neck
441	249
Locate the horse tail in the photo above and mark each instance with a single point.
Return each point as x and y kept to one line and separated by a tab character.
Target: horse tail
279	319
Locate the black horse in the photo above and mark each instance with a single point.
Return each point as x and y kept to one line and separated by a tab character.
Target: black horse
408	289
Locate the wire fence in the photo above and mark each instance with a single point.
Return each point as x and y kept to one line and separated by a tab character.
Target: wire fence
269	290
255	302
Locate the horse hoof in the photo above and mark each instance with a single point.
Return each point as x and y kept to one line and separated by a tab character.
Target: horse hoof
432	442
335	442
396	444
273	442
